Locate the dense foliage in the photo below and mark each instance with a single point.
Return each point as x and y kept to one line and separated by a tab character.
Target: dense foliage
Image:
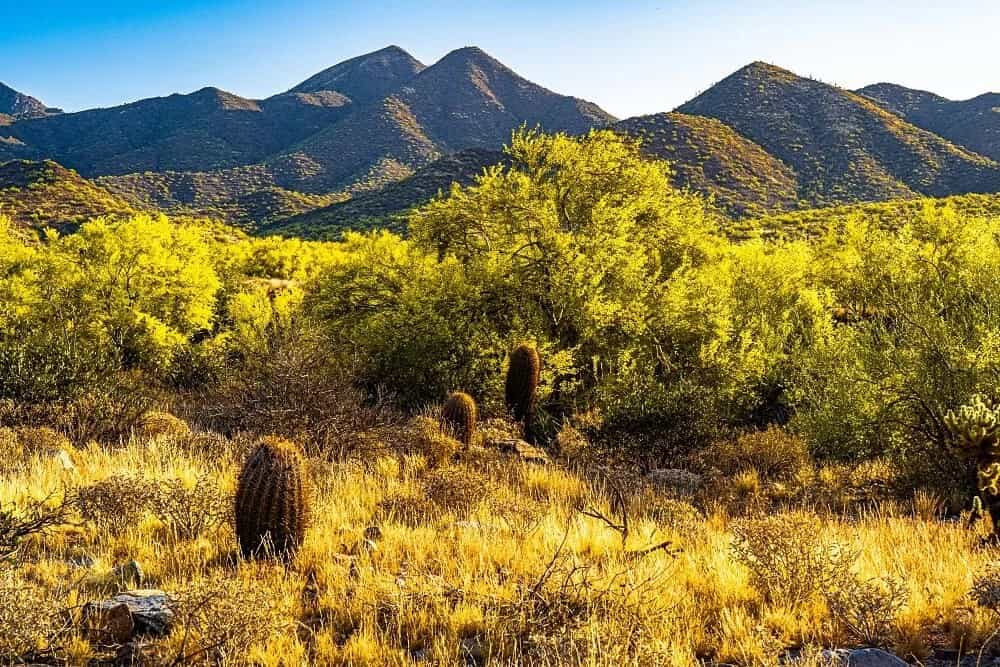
646	316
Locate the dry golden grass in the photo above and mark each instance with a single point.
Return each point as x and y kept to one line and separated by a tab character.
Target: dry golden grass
437	556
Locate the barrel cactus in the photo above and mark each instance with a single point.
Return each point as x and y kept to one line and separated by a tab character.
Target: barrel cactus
522	385
272	500
459	416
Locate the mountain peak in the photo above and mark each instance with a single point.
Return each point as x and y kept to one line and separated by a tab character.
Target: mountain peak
20	106
471	55
974	124
759	70
367	77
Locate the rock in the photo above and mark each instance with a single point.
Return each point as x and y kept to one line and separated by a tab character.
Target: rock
128	574
862	657
473	651
524	451
65	460
118	620
674	480
108	622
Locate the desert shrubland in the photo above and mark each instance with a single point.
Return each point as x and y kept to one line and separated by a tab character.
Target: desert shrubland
720	465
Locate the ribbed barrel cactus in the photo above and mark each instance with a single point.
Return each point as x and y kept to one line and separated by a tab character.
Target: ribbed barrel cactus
459	417
272	500
521	387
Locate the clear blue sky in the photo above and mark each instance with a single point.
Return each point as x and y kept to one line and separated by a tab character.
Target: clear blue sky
631	57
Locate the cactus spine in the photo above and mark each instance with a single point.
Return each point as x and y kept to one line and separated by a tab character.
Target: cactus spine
522	386
272	500
459	416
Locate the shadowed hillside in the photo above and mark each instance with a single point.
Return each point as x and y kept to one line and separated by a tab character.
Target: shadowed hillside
208	129
18	106
973	123
244	196
385	208
466	100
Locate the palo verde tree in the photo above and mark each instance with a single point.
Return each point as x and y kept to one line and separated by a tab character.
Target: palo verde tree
570	246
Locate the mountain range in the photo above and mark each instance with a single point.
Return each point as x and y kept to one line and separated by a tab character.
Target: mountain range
357	144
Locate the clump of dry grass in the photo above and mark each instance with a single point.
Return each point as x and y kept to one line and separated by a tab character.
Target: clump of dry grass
773	454
29	616
193	508
118	502
789	557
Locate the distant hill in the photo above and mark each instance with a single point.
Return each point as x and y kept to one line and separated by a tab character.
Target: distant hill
366	78
709	157
208	129
706	155
18	106
386	208
355	127
360	143
973	123
842	146
889	215
244	196
44	194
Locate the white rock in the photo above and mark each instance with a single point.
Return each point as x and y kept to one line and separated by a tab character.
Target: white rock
863	657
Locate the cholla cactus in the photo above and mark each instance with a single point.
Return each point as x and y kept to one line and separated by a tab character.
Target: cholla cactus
988	477
976	425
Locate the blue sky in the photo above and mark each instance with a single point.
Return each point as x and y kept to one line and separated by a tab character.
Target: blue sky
631	57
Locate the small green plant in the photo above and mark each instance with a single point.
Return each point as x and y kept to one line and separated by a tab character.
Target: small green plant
458	418
521	388
273	502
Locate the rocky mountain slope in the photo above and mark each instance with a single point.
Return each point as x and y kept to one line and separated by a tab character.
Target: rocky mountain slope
974	124
360	143
18	106
45	194
842	146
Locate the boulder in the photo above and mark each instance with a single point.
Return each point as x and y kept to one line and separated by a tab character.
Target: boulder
108	622
522	450
126	615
